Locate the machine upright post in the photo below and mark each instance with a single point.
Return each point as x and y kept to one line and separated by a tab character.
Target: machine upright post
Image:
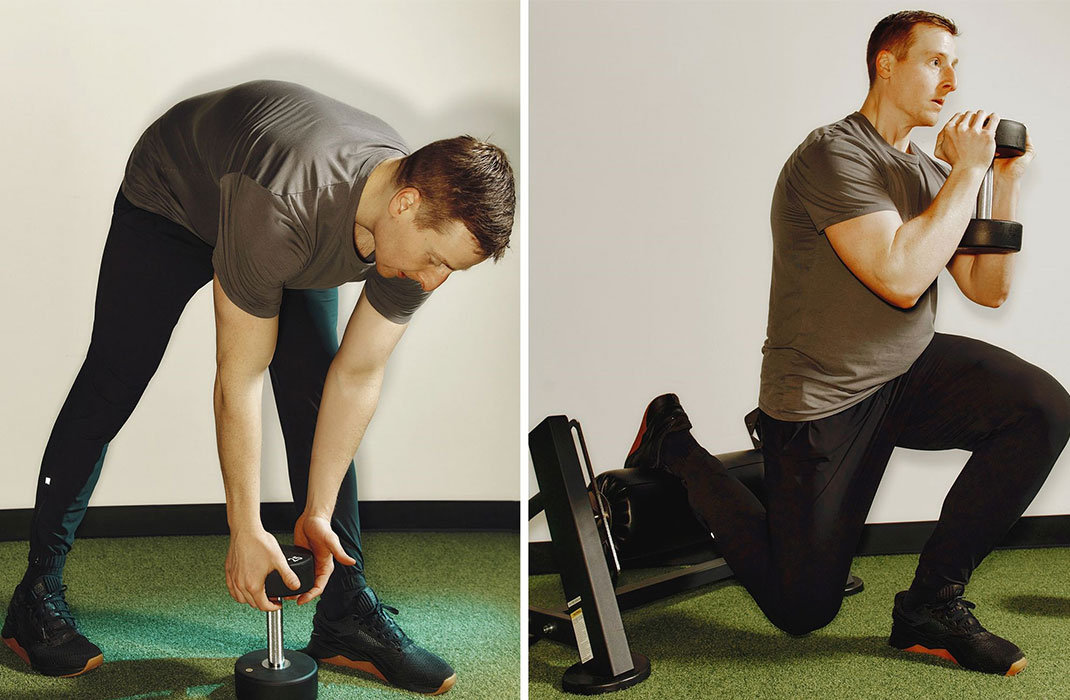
607	662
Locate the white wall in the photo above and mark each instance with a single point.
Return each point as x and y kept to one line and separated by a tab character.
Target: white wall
658	130
82	80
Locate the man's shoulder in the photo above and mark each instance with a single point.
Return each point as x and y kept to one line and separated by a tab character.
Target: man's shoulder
846	136
292	139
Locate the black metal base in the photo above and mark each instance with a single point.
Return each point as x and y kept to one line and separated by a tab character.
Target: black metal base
854	585
298	681
579	681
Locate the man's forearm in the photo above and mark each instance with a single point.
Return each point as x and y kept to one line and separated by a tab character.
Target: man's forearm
922	246
349	400
238	431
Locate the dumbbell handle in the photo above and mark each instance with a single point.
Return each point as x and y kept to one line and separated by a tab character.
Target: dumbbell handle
275	658
984	197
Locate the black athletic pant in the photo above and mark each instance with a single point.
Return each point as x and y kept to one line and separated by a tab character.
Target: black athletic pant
821	477
150	268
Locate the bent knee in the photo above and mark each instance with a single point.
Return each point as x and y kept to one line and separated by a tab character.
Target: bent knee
1048	403
1059	413
799	615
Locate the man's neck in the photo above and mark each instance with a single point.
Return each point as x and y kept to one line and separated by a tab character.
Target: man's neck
374	204
892	125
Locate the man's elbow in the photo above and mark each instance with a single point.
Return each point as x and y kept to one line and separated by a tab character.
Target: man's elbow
221	395
355	375
235	385
903	301
898	290
994	301
901	296
991	295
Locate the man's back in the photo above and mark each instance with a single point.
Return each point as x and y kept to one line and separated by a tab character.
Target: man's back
284	137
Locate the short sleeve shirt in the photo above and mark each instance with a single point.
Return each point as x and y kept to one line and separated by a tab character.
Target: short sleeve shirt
270	174
830	341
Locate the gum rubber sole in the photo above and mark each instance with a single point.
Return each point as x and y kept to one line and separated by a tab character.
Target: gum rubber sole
369	667
1015	668
93	663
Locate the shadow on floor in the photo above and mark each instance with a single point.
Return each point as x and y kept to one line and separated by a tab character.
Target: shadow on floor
1038	605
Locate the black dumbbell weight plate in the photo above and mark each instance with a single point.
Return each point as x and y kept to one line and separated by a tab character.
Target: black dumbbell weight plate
302	563
299	680
1010	139
991	236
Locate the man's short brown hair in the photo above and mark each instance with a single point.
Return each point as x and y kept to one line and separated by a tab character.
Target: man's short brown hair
467	180
894	33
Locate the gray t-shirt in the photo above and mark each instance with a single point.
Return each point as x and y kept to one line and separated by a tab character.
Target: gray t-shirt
830	341
270	174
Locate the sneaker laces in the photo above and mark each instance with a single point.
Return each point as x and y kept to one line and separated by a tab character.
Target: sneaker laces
382	625
51	614
956	613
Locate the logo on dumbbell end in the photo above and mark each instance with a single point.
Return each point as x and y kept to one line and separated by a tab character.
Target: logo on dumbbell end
295	558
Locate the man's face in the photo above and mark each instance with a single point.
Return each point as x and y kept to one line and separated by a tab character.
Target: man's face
425	255
923	79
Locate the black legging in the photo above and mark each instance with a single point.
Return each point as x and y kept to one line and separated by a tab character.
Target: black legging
821	477
150	269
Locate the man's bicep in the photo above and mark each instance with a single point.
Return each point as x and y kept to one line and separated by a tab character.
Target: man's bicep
863	244
244	343
369	339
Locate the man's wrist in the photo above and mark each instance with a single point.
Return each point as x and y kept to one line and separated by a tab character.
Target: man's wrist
319	509
976	171
244	519
1006	180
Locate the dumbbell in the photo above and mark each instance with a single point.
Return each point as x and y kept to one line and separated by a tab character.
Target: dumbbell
272	673
985	234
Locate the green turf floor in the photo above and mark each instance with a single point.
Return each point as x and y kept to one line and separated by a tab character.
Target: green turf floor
159	609
715	642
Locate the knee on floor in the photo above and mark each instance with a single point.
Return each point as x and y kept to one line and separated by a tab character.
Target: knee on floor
801	614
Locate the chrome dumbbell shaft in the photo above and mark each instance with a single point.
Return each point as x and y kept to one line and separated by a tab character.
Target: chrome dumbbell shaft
984	197
275	657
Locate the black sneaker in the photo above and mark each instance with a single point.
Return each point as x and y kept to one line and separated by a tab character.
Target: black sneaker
664	415
947	629
41	630
368	639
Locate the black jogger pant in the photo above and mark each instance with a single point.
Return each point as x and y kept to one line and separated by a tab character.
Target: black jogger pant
821	477
150	269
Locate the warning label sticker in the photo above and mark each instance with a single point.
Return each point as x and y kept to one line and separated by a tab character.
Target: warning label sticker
583	642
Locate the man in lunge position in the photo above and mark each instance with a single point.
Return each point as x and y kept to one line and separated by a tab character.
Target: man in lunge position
863	222
276	194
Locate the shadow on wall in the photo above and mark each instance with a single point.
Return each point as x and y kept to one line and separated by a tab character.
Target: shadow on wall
481	115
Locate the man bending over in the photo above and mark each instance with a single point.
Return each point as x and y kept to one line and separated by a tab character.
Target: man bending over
276	195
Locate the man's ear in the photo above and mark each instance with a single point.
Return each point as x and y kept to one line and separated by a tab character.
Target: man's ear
885	63
405	199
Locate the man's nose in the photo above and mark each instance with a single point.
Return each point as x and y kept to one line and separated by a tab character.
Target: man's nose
433	279
950	80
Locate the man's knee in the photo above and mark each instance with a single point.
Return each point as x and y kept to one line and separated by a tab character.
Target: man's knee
101	400
1048	406
799	614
